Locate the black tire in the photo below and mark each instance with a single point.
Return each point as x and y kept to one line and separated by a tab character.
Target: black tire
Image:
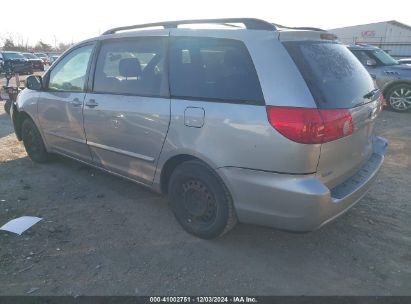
7	106
33	142
398	98
200	201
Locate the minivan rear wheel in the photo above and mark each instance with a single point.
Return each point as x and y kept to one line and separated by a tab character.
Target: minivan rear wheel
399	98
200	201
33	142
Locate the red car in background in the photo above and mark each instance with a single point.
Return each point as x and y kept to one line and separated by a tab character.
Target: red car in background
43	57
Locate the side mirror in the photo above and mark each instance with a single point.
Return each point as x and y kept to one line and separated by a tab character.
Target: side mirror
371	62
34	82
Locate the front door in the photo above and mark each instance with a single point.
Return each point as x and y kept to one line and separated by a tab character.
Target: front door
60	107
126	116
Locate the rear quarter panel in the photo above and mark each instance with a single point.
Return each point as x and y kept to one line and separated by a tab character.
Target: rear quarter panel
237	135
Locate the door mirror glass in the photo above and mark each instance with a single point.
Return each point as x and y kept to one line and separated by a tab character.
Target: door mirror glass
34	82
371	62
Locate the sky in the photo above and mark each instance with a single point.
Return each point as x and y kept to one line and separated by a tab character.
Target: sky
54	21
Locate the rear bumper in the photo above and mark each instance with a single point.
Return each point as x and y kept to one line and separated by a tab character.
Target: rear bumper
298	202
38	65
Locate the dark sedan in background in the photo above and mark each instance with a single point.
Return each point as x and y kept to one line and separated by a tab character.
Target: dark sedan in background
36	63
16	62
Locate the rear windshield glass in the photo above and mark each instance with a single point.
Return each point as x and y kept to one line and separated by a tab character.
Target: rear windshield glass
333	74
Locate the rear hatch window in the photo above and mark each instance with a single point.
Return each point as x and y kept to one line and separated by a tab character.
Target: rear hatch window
335	77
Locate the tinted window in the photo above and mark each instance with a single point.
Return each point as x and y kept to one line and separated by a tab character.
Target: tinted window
384	57
70	73
133	66
210	68
334	75
11	56
362	56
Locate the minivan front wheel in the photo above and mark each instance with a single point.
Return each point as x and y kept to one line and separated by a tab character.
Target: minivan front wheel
33	142
399	98
200	201
7	106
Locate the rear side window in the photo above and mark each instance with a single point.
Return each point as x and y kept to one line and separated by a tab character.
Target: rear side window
132	67
333	74
213	69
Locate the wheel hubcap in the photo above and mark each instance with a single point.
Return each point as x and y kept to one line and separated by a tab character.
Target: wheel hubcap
33	143
198	202
400	99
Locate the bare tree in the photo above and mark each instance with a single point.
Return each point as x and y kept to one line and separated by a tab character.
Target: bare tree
20	43
43	47
10	44
63	46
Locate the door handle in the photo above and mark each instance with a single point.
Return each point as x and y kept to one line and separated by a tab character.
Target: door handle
91	103
76	102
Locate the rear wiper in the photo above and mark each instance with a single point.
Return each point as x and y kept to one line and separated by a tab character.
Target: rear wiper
370	94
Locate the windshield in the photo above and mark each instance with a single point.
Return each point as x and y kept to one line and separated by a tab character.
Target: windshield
30	56
384	57
9	56
333	74
40	55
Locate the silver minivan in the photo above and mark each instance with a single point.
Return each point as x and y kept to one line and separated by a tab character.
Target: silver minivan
245	121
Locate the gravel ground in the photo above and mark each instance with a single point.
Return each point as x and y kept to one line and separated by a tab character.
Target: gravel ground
102	235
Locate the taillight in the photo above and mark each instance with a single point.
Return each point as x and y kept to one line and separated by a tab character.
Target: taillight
310	126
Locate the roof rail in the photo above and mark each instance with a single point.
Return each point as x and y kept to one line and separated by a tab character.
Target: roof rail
299	28
249	23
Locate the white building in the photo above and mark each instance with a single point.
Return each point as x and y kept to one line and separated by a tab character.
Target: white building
391	36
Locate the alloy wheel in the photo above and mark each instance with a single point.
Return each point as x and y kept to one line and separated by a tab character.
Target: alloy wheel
400	99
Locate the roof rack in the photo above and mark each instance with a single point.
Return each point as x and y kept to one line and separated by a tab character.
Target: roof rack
249	23
299	28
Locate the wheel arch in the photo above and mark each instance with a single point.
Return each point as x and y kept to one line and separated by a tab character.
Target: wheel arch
18	118
173	162
393	84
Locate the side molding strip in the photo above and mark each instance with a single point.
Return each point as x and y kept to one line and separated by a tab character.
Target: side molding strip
120	151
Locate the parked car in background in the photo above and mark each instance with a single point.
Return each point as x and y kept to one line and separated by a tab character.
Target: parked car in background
53	58
16	62
261	125
43	57
405	60
36	62
392	77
